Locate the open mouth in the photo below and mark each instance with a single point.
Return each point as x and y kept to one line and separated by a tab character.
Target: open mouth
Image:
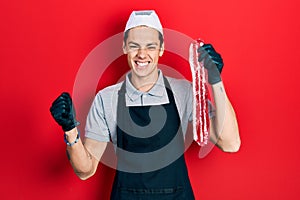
141	64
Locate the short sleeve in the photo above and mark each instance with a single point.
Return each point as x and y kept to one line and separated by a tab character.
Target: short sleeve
190	103
96	126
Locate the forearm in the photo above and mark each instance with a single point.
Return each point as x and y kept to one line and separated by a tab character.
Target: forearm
62	110
226	132
80	158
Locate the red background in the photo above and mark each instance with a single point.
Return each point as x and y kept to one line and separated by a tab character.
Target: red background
43	44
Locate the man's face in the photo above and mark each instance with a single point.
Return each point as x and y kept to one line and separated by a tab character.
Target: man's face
143	50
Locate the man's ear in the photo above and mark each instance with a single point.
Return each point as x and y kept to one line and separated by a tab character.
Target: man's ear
161	50
124	48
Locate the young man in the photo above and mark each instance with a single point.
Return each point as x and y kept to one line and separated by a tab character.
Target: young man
146	118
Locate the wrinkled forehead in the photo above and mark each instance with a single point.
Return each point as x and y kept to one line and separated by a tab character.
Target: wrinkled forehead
143	35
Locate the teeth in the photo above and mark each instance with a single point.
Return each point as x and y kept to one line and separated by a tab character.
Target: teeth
142	64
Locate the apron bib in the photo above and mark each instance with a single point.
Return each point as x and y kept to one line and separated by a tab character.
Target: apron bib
136	135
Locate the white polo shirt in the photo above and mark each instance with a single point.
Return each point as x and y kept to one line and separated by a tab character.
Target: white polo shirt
101	124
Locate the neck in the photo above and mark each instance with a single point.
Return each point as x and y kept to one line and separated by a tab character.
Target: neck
144	84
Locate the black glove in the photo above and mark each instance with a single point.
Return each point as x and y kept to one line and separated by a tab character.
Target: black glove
63	112
213	62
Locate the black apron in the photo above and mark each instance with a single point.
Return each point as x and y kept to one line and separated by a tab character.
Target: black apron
141	173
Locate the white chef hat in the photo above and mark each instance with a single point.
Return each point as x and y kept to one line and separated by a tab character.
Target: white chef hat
144	18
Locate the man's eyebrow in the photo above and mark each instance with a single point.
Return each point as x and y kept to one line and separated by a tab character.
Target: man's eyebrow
153	43
137	44
134	43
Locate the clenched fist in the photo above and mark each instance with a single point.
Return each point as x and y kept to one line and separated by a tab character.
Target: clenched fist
63	112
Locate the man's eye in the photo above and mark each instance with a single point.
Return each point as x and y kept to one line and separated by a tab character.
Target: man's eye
151	47
133	47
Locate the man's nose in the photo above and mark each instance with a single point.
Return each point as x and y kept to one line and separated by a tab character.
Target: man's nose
142	53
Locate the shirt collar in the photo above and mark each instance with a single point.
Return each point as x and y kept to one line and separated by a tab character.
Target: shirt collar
157	90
